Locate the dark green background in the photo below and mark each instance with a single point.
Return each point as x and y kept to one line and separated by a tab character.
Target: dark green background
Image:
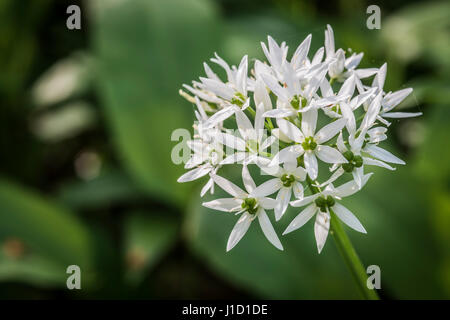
85	171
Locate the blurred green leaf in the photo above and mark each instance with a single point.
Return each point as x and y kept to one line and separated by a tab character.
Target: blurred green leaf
395	213
142	66
147	239
47	229
407	33
109	188
32	269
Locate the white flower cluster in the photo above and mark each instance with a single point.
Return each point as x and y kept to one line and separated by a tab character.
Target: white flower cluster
277	106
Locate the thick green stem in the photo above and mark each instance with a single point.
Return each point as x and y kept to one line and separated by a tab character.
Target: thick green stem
351	258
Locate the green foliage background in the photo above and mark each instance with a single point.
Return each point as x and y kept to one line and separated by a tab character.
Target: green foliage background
85	142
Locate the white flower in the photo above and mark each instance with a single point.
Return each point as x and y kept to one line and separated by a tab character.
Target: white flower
276	55
294	95
252	144
251	204
320	205
310	144
342	68
288	179
360	147
205	160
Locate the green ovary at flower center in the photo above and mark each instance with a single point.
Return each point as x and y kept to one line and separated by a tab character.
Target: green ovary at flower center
287	179
336	108
309	144
252	146
353	161
323	203
298	102
250	205
238	99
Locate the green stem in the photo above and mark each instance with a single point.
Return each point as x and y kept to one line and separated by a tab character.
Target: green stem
351	258
347	251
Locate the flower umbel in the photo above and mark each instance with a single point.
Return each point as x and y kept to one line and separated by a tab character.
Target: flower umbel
291	116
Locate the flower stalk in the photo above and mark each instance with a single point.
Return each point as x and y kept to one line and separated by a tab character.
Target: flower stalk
351	258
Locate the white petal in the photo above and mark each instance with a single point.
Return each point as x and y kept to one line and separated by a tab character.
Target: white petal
311	165
224	204
275	171
348	218
365	73
302	218
329	131
283	198
247	179
304	201
219	116
372	113
259	122
239	230
329	42
329	155
348	87
301	52
340	143
399	115
290	153
229	187
231	141
349	188
218	87
361	98
321	228
280	135
393	99
289	166
267	203
378	163
208	186
267	188
358	174
309	121
382	154
245	127
279	113
237	157
318	56
241	76
325	88
290	130
380	77
347	113
268	142
299	173
273	85
268	230
353	61
297	187
339	172
261	95
194	174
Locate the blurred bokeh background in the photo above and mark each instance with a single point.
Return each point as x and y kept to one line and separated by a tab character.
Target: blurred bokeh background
85	174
